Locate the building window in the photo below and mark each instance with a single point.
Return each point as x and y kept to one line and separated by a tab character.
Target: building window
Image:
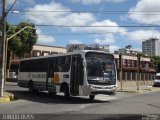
123	62
61	53
133	63
36	53
44	53
54	53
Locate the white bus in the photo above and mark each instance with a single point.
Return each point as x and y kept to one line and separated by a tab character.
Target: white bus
85	72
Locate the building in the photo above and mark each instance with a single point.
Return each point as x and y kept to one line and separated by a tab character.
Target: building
151	47
96	46
127	51
130	67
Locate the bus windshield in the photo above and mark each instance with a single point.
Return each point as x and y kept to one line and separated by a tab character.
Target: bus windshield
100	69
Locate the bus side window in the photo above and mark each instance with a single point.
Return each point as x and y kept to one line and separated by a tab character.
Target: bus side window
51	69
66	64
56	65
62	64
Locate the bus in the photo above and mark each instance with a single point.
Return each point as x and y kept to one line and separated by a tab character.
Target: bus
78	73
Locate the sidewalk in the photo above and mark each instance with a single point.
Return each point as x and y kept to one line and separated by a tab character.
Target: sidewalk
131	87
7	97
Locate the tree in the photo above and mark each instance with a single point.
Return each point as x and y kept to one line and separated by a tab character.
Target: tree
22	43
155	61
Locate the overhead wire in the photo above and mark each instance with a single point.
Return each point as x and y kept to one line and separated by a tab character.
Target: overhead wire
91	11
34	13
104	26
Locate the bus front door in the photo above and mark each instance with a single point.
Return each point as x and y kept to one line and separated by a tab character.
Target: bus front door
76	74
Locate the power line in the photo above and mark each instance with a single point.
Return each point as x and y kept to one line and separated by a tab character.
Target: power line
11	7
97	26
81	33
109	26
88	11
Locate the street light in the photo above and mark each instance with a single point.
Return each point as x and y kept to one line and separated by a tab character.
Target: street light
20	31
7	45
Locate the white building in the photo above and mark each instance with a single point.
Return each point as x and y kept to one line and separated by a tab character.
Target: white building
151	47
127	51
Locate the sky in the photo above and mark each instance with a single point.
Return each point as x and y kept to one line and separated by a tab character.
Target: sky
116	23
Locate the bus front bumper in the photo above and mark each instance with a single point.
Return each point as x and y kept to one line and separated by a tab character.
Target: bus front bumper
108	90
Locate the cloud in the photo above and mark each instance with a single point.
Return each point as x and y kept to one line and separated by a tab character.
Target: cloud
104	33
143	12
112	48
75	42
138	49
140	35
44	39
87	2
58	18
103	29
106	40
70	19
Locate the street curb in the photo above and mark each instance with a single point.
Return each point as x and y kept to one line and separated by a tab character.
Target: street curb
140	91
130	91
155	89
7	97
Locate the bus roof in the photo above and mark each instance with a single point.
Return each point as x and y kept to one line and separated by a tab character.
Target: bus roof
65	54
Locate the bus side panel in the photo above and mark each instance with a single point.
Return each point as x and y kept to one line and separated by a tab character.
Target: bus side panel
81	90
65	77
59	78
23	79
39	80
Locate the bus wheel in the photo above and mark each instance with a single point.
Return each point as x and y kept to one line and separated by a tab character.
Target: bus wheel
113	92
31	88
91	97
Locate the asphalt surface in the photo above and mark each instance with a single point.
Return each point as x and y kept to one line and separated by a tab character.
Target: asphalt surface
124	106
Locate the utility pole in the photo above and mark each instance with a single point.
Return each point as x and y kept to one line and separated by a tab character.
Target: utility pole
138	72
120	70
2	49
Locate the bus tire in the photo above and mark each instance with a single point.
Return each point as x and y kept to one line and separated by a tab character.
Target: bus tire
31	87
113	92
91	97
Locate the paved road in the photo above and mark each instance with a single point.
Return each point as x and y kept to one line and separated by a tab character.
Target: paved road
122	103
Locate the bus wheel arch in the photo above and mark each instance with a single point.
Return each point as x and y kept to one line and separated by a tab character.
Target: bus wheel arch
91	97
65	89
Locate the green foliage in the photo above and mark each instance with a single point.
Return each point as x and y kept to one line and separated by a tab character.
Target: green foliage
155	61
140	54
23	42
7	25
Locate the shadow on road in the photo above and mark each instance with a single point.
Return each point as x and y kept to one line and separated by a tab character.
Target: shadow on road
43	97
